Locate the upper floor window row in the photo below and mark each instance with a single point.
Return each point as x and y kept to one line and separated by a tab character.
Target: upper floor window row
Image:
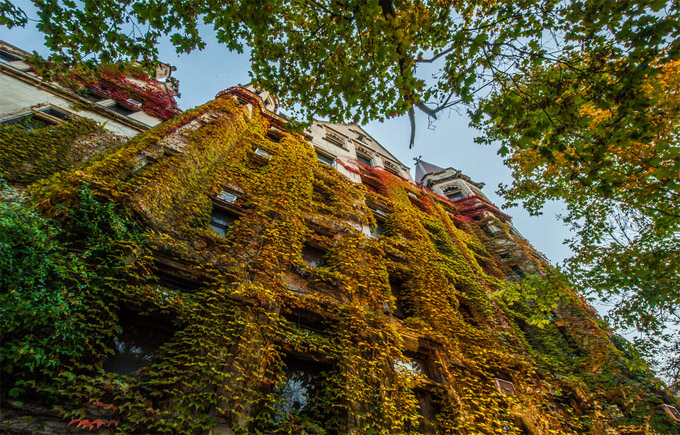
38	118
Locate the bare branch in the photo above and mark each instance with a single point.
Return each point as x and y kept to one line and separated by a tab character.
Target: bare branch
412	119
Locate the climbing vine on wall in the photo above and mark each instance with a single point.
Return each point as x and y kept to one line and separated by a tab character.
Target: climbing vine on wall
106	231
28	155
120	82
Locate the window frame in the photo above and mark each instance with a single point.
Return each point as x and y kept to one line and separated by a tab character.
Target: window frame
331	159
6	57
42	114
133	326
224	212
363	158
122	109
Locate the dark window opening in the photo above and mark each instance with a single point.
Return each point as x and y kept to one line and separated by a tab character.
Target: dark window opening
175	280
8	57
364	160
92	95
57	113
487	231
321	193
28	121
371	188
428	413
120	109
274	137
517	271
138	344
378	229
396	287
220	220
454	195
392	170
313	257
324	159
301	321
302	393
466	313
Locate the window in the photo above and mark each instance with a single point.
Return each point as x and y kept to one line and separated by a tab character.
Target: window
411	366
302	393
120	109
505	387
391	167
324	159
6	57
175	283
92	95
371	188
517	271
137	345
313	257
466	312
396	288
364	160
64	116
455	195
263	153
29	121
39	118
515	233
428	412
274	135
309	322
378	229
220	220
227	197
134	103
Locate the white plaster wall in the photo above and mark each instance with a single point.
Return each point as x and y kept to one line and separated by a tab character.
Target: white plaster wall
438	186
347	153
17	97
146	119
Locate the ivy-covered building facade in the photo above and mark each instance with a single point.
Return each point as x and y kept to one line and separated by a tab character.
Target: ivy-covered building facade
222	273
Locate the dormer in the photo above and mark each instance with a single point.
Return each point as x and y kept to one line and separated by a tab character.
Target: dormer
450	183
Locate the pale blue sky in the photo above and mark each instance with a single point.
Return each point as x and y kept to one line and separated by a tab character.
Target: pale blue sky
203	74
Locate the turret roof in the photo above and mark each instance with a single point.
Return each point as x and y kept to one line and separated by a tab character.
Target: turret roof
424	168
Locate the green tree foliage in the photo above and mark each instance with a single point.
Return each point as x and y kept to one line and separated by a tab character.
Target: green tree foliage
609	149
360	59
53	293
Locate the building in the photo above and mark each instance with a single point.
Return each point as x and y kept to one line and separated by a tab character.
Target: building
226	275
126	103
